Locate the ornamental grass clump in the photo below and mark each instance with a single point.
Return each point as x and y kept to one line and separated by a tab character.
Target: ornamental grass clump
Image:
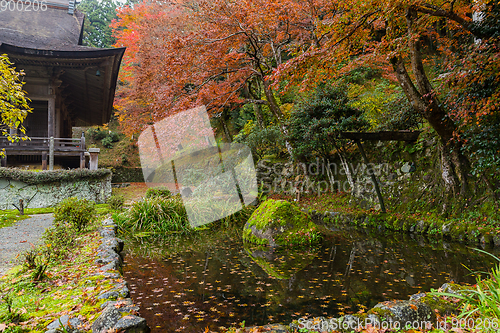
156	216
483	299
77	212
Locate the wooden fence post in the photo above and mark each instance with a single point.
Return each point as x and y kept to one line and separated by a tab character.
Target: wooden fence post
44	160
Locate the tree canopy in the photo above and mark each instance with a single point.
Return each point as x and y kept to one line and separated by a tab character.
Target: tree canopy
224	54
98	17
13	102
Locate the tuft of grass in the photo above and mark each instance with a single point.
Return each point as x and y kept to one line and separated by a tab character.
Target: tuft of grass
155	215
77	212
162	217
116	202
483	299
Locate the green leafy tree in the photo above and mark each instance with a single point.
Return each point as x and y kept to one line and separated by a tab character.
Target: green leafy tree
13	102
317	120
98	17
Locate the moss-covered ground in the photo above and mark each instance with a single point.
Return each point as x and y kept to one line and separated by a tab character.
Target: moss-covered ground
69	286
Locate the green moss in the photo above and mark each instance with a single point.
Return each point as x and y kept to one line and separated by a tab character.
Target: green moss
67	287
33	178
289	225
278	212
382	313
441	305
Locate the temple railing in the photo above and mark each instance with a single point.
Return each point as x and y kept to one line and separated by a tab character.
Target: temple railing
36	144
47	147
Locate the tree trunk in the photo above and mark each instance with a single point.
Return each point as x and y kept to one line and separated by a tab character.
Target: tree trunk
276	111
348	172
424	100
258	115
227	134
256	106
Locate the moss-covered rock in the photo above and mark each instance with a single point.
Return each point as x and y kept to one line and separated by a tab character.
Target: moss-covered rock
406	311
279	223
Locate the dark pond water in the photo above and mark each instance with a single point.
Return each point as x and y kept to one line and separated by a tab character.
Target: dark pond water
213	280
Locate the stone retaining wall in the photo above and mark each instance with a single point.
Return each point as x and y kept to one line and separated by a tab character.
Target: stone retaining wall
50	193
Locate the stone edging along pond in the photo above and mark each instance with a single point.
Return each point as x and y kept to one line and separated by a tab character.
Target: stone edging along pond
459	231
118	313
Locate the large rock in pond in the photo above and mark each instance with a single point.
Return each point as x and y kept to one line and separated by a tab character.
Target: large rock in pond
280	223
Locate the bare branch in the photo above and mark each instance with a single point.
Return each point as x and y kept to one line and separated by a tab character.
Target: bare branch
224	38
256	101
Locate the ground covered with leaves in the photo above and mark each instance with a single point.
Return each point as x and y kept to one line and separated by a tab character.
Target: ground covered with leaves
70	287
57	276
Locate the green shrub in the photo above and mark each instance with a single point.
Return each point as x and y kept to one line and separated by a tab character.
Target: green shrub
154	192
107	142
265	141
362	74
318	118
59	240
116	202
113	136
97	134
77	212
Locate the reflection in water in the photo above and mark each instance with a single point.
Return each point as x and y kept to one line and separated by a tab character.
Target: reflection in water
226	284
281	263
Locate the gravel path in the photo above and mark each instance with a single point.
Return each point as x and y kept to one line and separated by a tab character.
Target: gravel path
17	238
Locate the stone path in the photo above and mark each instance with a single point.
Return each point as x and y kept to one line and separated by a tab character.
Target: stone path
17	238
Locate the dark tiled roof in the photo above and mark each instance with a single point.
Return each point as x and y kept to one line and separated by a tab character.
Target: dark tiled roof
51	39
52	29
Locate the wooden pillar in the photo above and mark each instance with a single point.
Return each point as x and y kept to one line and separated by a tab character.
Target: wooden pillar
13	133
51	116
51	153
82	151
3	160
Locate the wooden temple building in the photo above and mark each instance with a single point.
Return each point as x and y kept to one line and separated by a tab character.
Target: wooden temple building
69	85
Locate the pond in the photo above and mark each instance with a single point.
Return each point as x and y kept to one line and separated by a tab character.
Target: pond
212	279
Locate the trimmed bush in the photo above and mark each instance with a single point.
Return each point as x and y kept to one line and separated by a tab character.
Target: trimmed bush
77	212
162	192
97	134
33	178
107	142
